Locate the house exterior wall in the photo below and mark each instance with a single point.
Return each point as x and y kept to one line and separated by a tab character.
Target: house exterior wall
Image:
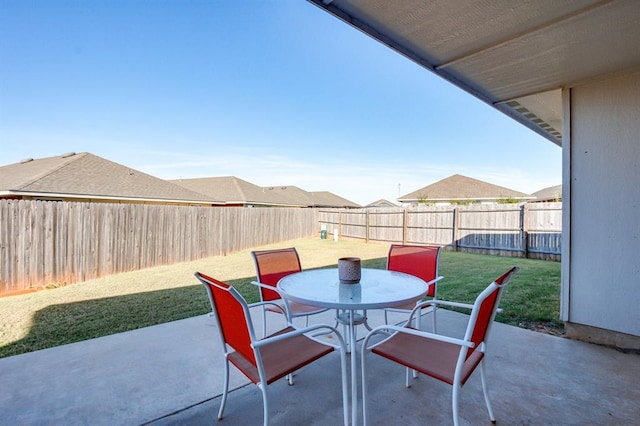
601	281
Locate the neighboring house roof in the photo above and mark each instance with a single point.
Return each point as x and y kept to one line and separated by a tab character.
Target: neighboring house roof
292	194
329	199
381	203
87	176
552	193
303	198
233	190
462	188
516	57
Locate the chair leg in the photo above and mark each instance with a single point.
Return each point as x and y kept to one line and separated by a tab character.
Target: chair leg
454	404
225	390
265	404
485	391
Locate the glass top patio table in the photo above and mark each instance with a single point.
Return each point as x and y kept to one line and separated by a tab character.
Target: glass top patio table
378	288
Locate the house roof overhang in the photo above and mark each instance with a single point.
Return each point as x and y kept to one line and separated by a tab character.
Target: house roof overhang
516	56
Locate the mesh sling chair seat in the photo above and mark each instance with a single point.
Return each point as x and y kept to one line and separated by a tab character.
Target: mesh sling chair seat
271	266
444	358
263	361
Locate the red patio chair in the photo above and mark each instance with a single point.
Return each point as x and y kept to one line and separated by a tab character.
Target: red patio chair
271	266
422	262
268	359
444	358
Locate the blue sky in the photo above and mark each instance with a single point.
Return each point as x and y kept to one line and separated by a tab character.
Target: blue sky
276	93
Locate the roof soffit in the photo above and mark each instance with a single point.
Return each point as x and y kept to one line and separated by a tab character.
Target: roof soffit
506	53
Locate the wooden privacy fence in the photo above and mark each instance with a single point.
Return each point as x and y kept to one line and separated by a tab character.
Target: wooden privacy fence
51	243
527	230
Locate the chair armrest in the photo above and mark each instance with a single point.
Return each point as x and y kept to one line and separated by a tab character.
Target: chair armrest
299	331
267	286
434	302
287	310
447	303
275	305
383	329
435	280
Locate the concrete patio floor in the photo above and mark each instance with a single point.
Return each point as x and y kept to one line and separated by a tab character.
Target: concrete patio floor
172	374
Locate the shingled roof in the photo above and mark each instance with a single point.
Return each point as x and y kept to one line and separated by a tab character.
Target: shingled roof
382	203
329	199
293	195
304	198
462	188
230	190
85	176
551	193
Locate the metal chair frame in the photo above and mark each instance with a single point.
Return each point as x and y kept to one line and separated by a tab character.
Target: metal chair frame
471	352
247	357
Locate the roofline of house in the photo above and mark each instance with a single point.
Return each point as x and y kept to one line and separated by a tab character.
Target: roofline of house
261	203
10	193
528	197
102	197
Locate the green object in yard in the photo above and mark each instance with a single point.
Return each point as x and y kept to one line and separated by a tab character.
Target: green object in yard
323	234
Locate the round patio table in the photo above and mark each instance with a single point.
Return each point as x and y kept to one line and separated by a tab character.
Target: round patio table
378	289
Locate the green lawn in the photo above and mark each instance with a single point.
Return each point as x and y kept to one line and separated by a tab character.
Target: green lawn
152	296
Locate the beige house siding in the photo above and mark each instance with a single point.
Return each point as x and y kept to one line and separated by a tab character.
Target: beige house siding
601	278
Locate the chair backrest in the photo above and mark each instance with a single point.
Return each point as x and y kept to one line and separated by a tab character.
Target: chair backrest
420	261
272	265
232	315
485	308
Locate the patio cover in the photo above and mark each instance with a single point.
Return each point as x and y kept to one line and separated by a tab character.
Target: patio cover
514	55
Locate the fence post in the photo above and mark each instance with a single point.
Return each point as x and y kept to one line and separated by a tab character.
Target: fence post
456	225
366	237
405	225
340	224
524	228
